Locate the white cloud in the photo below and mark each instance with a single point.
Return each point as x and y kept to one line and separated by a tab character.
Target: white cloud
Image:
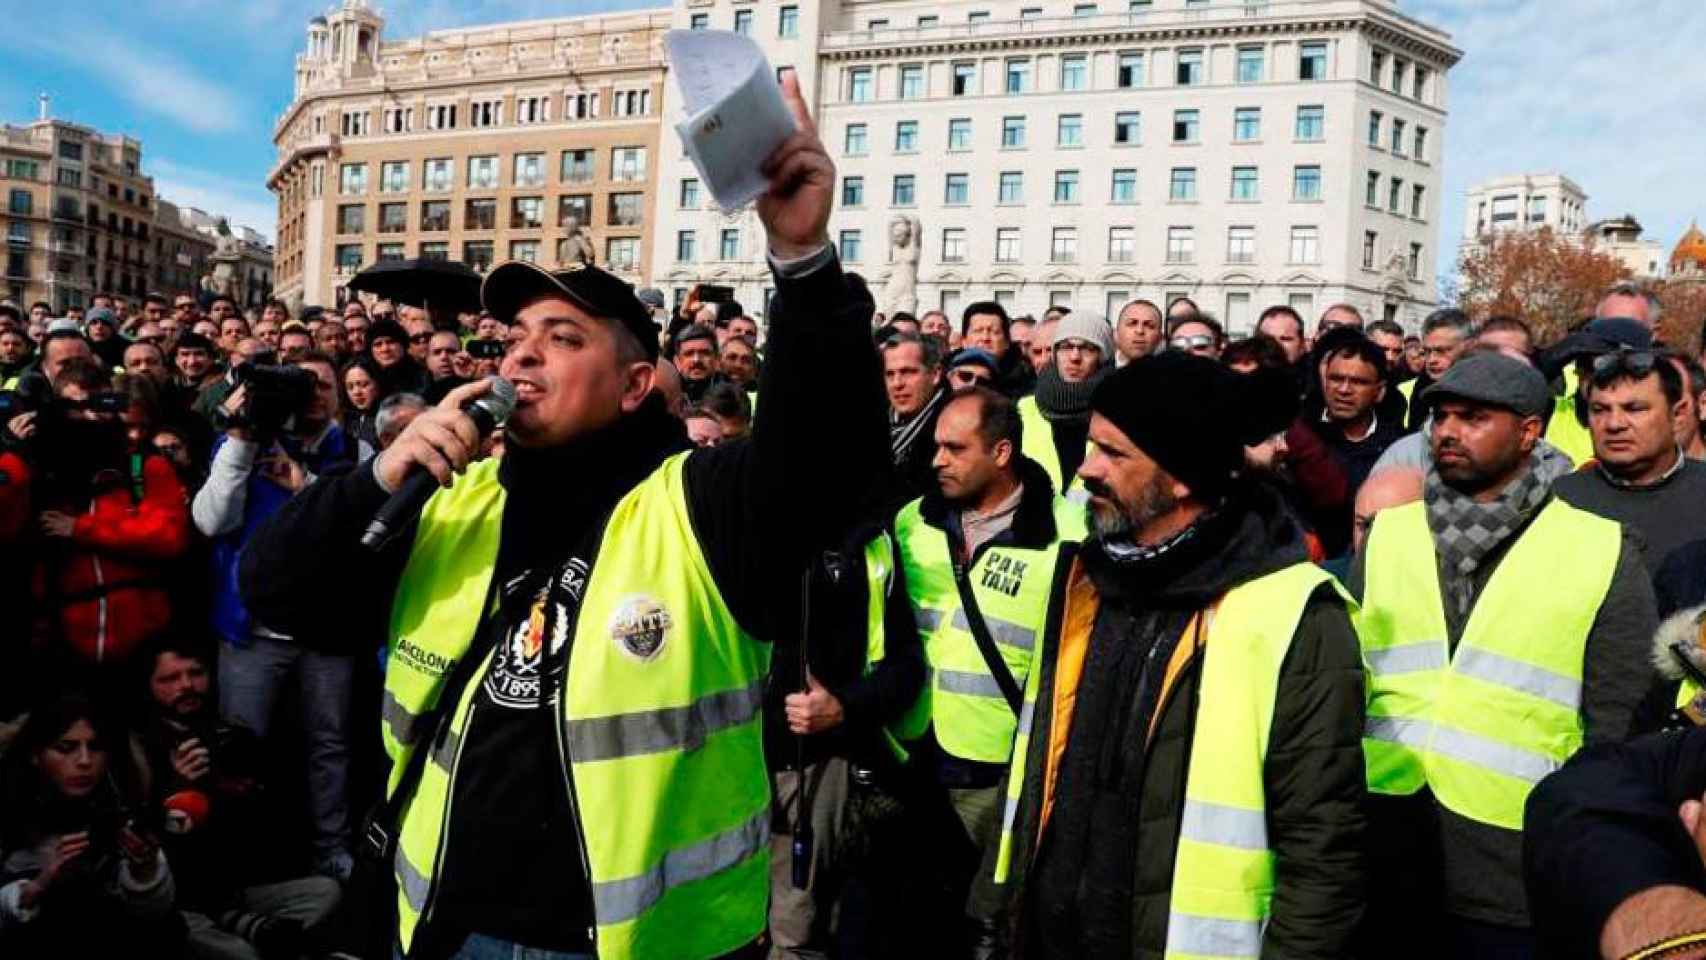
1602	93
149	79
245	203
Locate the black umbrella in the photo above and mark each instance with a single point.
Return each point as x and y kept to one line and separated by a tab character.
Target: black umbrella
436	285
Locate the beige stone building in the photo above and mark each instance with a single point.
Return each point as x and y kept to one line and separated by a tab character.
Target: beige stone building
1620	237
78	213
480	145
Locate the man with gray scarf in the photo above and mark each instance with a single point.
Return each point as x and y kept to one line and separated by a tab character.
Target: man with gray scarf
1056	417
1503	629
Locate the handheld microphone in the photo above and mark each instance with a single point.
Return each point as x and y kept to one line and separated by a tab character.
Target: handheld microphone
487	411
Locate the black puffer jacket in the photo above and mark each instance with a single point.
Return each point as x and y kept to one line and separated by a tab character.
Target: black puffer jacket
1099	882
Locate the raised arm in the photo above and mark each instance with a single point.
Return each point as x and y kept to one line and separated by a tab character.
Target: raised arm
819	446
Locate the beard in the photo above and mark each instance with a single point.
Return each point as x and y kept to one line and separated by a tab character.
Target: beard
1121	518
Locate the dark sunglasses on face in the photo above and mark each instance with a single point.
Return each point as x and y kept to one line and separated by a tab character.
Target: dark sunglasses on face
967	377
1197	341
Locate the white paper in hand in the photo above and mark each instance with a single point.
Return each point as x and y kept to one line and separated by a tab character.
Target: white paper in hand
735	115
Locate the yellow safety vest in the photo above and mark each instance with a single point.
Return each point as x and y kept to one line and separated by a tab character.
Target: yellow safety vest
971	717
1480	726
880	564
660	720
1223	870
1037	439
1563	430
1407	390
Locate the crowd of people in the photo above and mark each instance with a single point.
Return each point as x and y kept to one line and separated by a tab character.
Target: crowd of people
1135	639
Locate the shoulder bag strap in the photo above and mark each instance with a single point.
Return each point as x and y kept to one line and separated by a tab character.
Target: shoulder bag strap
985	643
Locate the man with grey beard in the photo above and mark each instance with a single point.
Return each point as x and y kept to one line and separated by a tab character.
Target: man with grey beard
1199	669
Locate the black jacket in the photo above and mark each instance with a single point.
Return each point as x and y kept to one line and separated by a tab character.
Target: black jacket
1016	378
1098	881
1605	828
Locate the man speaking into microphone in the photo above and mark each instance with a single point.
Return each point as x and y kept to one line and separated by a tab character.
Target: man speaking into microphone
579	634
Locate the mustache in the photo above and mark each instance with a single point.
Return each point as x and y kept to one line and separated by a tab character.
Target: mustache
1097	488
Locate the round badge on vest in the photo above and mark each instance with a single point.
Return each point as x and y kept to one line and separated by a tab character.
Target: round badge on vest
640	627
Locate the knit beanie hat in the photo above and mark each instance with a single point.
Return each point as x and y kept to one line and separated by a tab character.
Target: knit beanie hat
1193	416
1088	326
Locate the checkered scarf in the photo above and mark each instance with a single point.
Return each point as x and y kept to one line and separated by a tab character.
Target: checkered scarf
1466	531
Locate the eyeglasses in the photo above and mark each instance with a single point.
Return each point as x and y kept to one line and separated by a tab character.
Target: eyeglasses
1635	363
967	377
1196	341
1076	346
420	338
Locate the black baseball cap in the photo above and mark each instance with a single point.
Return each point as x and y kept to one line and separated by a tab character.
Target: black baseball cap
511	285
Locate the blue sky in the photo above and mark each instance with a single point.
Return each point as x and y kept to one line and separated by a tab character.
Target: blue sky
1608	92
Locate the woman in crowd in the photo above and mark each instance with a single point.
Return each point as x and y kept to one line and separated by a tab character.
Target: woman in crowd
362	393
81	873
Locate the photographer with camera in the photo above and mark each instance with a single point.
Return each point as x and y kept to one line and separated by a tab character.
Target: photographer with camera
281	431
234	875
81	871
107	518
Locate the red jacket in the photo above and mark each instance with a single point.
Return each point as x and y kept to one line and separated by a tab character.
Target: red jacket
108	583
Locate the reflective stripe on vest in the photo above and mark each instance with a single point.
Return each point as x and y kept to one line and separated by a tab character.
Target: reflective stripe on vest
660	719
1223	871
880	560
971	717
1480	727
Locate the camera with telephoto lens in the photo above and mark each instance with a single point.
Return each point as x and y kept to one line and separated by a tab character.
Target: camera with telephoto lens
274	396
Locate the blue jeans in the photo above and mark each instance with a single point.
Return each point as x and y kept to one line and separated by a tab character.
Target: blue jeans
250	680
478	946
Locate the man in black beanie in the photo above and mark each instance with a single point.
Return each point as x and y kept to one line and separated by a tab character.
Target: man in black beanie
1192	778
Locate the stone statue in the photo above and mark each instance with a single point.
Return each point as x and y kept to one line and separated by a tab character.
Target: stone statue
577	247
906	241
227	244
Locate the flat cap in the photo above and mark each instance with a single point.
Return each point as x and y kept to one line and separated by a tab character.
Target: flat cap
1496	380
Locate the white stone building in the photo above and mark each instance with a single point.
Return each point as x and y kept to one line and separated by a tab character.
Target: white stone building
1240	153
1527	201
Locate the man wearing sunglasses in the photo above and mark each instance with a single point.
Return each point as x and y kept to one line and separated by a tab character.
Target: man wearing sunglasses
1503	629
971	367
1639	475
1199	335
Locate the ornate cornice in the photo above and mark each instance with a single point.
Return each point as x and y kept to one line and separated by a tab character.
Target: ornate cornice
1089	37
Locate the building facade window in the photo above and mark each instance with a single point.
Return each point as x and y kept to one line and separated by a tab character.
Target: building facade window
852	191
1128	128
1063	245
576	207
1305	245
1188	70
1066	186
954	245
1247	124
1012	133
1395	196
1244	185
1418	201
486	113
1240	244
631	103
1250	64
911	81
1414	266
535	109
1007	245
1399	136
685	246
1182	186
348	257
483	172
906	136
352	218
1019	75
1122	244
788	22
1074	72
622	254
441	116
393	218
435	215
437	174
1186	126
689	193
1311	123
527	251
1312	61
480	214
1130	71
905	190
627	210
859	85
628	164
435	250
965	79
959	133
1181	245
1370	241
352	179
1372	196
1124	187
851	246
529	170
957	190
1306	183
1012	188
581	106
743	22
526	213
1069	132
854	144
1421	150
